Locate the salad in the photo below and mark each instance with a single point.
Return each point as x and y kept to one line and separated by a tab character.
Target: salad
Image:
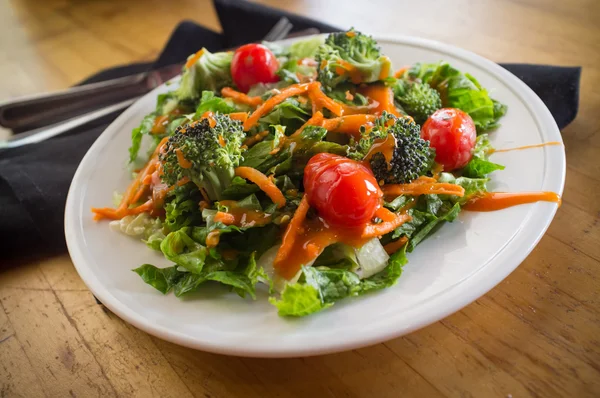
312	169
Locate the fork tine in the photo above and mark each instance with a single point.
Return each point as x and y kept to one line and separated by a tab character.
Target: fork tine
279	30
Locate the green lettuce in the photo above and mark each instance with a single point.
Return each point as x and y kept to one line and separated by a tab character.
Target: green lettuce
462	91
320	287
479	166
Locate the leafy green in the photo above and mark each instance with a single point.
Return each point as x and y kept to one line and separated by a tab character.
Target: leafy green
462	91
299	300
306	48
289	113
479	166
162	279
179	248
210	102
320	287
182	208
138	133
210	72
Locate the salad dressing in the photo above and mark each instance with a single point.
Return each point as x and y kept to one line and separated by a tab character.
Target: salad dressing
244	217
551	143
491	201
381	94
312	238
385	146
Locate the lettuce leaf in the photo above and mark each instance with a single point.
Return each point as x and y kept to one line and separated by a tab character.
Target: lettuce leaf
462	91
320	287
210	102
138	133
162	279
479	166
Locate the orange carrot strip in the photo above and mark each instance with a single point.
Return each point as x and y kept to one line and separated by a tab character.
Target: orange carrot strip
241	116
290	233
256	138
131	192
315	120
393	247
225	218
263	182
241	98
320	100
374	230
268	105
400	72
384	214
348	124
194	58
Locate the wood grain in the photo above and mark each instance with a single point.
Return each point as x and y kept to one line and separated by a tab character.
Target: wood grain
536	334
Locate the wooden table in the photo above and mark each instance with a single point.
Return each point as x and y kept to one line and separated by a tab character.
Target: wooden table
535	334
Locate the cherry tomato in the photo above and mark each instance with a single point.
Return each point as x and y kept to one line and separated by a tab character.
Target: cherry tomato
452	133
252	64
343	191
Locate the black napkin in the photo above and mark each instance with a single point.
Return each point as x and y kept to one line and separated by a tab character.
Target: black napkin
34	179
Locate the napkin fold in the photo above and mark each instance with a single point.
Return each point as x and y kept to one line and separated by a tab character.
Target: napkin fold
34	179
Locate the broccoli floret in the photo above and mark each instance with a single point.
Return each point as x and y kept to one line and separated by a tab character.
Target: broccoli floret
210	72
350	56
419	100
206	151
412	157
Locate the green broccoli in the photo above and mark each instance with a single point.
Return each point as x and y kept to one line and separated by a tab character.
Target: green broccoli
206	155
350	56
210	72
413	157
417	99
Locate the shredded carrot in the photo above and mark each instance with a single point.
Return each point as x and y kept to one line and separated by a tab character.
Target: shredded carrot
423	186
400	72
240	98
393	247
348	95
263	182
384	214
222	141
160	124
374	230
268	105
193	59
212	238
315	120
320	100
256	138
348	124
225	218
131	192
241	116
289	237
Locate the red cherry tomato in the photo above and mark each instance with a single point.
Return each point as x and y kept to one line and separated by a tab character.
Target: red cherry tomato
452	133
344	192
252	64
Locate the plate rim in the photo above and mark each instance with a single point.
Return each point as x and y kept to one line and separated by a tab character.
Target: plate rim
455	302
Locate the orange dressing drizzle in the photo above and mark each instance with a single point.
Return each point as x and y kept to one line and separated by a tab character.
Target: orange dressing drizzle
384	96
385	71
385	146
183	162
241	217
551	143
491	201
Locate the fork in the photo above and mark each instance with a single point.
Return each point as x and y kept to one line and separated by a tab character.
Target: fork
279	31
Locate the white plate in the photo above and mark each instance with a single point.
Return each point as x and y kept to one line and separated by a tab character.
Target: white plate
461	262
